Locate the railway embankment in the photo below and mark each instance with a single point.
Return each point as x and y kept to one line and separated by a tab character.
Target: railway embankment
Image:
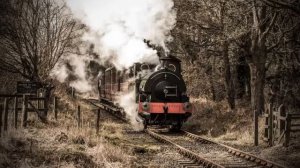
215	121
62	144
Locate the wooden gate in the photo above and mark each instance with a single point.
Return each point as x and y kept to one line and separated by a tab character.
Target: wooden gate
279	125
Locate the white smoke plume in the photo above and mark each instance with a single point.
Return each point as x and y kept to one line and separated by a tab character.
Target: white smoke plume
82	82
127	101
59	72
118	27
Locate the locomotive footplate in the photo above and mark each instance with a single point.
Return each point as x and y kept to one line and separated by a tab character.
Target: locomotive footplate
164	108
164	119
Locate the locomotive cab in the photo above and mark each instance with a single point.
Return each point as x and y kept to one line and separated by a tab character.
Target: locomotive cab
171	63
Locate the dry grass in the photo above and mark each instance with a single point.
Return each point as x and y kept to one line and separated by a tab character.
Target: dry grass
61	144
214	119
208	117
57	146
244	135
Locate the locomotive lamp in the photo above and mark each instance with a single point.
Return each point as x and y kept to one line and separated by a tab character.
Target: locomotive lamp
145	106
187	106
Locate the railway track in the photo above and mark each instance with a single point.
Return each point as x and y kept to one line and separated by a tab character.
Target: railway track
183	162
209	153
112	110
201	152
236	152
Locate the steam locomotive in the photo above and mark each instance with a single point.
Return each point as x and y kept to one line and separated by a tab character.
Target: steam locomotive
160	91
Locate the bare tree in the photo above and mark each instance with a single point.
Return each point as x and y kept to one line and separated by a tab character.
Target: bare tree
270	27
35	35
207	31
260	30
293	5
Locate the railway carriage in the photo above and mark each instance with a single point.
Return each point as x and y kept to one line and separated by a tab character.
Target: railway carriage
160	91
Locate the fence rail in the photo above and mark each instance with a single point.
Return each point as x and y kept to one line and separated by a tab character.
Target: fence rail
23	104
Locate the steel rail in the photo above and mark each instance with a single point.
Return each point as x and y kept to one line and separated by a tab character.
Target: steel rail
111	110
192	155
181	150
237	152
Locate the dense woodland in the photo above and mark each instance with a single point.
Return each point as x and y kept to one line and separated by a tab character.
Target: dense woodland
240	50
233	50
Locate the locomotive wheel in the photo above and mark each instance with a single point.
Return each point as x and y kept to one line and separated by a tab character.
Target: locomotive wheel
176	127
145	123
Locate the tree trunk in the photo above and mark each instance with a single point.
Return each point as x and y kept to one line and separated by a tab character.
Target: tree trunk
228	78
258	73
257	87
212	81
242	81
212	88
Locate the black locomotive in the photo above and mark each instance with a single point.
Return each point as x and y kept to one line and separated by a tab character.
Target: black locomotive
160	91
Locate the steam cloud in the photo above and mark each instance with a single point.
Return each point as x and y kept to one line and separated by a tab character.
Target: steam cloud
74	70
127	101
118	28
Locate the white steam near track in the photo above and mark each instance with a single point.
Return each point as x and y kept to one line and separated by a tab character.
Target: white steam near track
118	27
127	101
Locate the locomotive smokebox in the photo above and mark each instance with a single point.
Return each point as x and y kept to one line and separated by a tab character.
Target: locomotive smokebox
166	83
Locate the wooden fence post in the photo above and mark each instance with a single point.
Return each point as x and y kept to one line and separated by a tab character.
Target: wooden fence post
16	112
5	114
1	111
79	116
287	130
271	125
45	100
98	121
55	107
255	128
24	110
73	92
266	127
38	101
282	113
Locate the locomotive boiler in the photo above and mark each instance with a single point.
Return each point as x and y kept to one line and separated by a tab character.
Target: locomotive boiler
160	91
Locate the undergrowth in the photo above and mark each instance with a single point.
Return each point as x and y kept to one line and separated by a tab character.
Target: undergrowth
216	120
